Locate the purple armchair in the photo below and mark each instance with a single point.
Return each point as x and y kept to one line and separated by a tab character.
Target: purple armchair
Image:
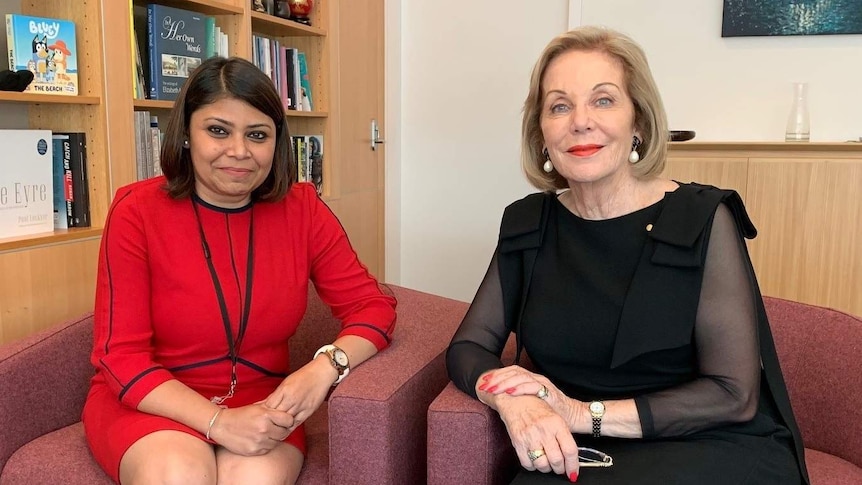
819	350
372	428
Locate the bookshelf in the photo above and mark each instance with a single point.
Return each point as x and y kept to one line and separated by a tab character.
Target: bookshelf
50	277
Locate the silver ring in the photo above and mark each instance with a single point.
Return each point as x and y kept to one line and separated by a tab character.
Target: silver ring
534	455
543	393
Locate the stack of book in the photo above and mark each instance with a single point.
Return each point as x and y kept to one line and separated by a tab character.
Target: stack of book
43	182
148	145
308	153
288	69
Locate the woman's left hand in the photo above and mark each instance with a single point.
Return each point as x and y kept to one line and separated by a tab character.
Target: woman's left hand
516	381
303	391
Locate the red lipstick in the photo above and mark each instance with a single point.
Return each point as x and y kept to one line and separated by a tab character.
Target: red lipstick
584	150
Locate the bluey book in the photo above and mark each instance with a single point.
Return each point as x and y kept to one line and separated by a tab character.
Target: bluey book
26	183
177	46
47	48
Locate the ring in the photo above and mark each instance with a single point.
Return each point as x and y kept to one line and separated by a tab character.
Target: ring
534	455
543	393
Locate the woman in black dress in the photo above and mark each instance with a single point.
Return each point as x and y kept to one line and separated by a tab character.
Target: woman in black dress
633	296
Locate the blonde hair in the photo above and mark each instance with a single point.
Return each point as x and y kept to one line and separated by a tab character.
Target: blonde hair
650	117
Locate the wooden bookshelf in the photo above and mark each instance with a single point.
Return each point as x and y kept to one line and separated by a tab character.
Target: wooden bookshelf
31	98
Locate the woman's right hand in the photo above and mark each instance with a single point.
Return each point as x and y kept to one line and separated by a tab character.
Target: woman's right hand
251	430
532	425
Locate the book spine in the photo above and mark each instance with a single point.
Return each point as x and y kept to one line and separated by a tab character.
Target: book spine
155	68
80	185
69	193
210	39
61	221
10	40
305	82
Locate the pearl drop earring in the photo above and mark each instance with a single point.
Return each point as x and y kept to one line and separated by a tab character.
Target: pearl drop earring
634	157
548	167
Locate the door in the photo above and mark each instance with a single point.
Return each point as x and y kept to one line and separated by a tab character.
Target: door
357	195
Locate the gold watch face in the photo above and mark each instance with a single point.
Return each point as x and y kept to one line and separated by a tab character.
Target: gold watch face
597	407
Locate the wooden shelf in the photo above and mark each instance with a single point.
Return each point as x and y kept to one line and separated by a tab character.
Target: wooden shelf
46	239
209	7
144	104
31	98
278	27
306	114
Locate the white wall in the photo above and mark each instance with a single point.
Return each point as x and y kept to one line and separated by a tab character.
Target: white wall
738	88
465	69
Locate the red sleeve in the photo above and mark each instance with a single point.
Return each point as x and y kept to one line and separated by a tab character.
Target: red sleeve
343	282
122	347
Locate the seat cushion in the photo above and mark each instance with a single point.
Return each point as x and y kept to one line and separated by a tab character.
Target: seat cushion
63	457
826	469
58	457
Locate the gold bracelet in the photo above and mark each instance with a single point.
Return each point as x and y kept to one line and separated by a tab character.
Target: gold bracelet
212	422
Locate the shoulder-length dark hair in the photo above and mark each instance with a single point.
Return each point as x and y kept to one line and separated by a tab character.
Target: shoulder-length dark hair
218	78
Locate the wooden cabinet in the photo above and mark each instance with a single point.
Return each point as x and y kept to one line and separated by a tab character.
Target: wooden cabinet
804	200
48	278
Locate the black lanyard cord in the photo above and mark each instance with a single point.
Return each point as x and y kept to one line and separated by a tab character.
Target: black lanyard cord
245	307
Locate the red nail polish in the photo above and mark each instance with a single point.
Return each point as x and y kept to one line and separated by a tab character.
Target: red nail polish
486	377
510	390
482	387
573	477
492	389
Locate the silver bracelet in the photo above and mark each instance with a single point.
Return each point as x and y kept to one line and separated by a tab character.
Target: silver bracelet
212	422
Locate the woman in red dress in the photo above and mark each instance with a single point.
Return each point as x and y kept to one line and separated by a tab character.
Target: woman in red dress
203	278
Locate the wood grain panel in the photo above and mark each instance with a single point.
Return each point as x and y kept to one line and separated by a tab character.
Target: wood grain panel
43	286
359	213
810	230
722	172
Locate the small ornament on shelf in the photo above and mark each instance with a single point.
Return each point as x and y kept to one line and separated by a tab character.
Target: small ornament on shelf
296	10
263	6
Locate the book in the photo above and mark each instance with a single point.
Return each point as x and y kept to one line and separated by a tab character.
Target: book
177	46
63	196
315	157
46	47
77	147
305	84
26	183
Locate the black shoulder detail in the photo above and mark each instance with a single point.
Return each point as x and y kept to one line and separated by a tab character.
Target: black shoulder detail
686	216
522	222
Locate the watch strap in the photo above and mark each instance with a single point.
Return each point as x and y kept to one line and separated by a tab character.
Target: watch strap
330	350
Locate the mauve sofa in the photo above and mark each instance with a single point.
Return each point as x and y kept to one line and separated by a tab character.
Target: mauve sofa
819	350
371	430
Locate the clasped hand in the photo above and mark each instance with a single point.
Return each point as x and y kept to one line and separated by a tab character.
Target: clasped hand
257	428
535	423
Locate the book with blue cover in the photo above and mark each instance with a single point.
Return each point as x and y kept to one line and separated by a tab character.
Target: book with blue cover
177	46
46	47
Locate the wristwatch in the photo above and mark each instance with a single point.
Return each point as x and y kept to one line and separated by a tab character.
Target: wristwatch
338	359
597	410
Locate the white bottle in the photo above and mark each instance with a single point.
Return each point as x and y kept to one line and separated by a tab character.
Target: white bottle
798	124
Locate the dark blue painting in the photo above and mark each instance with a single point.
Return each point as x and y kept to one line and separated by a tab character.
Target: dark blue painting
744	18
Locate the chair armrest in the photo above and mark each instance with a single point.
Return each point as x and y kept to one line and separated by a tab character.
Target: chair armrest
819	353
378	415
467	442
43	383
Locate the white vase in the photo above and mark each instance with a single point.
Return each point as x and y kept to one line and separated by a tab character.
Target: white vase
798	123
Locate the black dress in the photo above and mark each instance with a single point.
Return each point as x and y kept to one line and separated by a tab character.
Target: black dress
611	311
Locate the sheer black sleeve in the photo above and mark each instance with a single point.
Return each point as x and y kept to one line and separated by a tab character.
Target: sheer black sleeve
727	390
479	341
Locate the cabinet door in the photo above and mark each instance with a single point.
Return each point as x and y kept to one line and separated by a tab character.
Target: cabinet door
357	189
808	217
722	172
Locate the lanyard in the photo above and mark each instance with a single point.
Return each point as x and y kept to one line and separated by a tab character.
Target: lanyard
233	344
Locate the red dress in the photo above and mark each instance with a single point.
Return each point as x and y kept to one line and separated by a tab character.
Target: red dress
158	318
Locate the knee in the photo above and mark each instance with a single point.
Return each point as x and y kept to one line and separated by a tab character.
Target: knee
176	470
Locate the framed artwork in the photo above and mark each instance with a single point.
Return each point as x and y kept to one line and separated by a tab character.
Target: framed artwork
746	18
